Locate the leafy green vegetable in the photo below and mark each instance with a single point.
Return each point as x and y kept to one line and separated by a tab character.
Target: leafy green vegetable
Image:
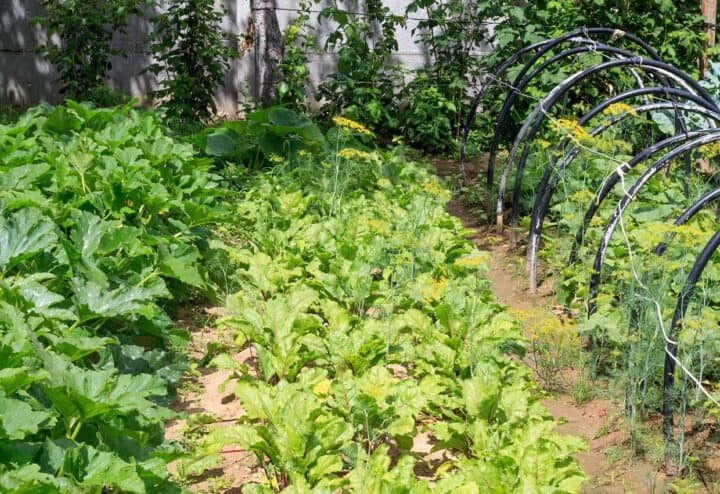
103	225
372	326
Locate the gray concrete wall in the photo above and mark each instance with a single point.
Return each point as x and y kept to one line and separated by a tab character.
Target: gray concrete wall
26	78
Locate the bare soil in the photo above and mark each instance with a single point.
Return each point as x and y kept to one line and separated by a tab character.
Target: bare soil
209	392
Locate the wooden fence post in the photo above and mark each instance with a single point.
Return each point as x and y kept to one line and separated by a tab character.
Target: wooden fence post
268	50
709	11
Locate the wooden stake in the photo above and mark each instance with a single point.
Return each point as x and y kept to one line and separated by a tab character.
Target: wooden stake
709	11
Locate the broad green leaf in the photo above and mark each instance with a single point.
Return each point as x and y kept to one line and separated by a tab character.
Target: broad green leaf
104	469
664	122
284	117
220	142
79	343
42	299
29	479
15	378
24	234
18	419
62	121
120	301
181	263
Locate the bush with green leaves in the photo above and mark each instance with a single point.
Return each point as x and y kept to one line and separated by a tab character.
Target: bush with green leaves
674	29
295	74
429	119
454	32
366	83
191	58
103	230
261	139
85	29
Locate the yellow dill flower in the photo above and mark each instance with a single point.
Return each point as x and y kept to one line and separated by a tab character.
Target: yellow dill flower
436	290
691	324
711	150
543	143
618	109
275	158
573	128
472	261
581	196
384	183
597	221
322	388
433	187
622	145
351	153
378	226
690	235
348	124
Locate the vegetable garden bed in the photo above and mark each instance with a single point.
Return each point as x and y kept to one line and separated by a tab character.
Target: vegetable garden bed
366	310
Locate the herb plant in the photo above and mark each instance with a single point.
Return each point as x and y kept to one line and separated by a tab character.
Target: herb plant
365	85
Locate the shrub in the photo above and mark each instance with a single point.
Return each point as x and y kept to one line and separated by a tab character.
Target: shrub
429	117
192	59
85	29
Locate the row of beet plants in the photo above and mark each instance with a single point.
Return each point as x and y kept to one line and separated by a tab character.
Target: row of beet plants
380	361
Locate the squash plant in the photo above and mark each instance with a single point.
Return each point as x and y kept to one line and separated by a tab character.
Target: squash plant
104	226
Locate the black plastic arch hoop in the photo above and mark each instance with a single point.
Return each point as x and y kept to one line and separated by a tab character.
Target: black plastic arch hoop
539	114
551	176
698	206
522	81
692	99
709	136
611	181
678	315
706	137
669	92
542	48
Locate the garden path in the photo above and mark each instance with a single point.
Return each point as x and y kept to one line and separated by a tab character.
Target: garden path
598	421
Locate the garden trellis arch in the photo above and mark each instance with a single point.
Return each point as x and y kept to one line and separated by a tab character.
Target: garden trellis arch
518	86
705	137
679	313
551	175
582	35
683	96
617	176
540	113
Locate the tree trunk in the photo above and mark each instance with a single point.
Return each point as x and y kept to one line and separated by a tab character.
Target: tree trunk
709	11
268	50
